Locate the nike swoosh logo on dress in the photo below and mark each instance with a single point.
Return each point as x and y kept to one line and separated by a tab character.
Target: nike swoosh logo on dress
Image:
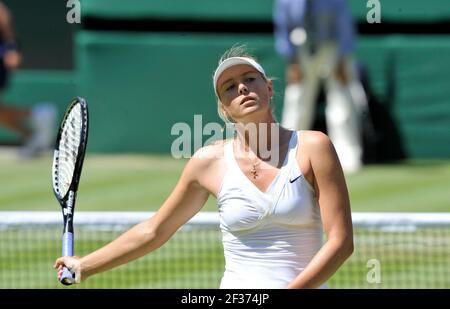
292	180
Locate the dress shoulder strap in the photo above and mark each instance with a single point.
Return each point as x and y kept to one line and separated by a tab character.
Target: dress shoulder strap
292	150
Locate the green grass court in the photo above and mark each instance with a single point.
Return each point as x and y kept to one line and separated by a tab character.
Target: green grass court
182	263
141	183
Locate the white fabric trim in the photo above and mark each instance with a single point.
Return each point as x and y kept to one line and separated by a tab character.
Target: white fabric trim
227	63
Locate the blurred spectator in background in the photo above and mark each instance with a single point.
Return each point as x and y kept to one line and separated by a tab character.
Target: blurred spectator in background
317	39
34	125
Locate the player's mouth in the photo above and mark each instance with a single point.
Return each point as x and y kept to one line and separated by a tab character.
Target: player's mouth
248	99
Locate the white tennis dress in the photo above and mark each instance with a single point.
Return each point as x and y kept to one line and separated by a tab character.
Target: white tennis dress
268	237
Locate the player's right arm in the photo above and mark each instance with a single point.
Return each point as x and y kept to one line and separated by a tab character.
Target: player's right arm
187	198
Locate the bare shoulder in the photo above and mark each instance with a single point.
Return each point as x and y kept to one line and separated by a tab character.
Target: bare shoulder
207	157
321	152
315	148
315	140
207	167
209	154
318	148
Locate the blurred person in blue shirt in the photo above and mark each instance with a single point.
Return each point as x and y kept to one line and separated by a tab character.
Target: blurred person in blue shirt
316	37
36	125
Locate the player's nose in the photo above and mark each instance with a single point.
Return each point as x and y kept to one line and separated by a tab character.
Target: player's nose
243	89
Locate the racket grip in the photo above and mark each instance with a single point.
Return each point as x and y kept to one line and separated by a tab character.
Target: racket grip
67	277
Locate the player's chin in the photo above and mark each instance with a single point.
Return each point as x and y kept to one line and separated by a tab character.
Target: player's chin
247	109
255	109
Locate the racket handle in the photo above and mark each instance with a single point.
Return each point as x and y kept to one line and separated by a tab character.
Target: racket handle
67	277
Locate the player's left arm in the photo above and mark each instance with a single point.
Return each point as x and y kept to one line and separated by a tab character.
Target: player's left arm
332	195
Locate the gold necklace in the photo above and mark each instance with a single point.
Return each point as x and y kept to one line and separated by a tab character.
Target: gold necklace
255	165
254	171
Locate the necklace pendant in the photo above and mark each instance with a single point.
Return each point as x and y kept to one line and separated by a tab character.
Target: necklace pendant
254	172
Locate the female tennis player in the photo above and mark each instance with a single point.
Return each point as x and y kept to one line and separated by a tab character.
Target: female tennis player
272	212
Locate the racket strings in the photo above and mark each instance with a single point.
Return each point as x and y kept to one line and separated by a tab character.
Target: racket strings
68	148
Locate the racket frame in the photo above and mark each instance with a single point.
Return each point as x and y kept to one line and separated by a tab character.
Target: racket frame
67	201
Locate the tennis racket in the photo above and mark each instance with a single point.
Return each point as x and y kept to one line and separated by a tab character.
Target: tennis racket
66	170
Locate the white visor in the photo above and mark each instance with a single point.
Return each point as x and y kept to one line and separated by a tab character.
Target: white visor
227	63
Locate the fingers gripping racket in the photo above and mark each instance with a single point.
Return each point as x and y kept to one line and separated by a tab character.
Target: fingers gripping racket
66	170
